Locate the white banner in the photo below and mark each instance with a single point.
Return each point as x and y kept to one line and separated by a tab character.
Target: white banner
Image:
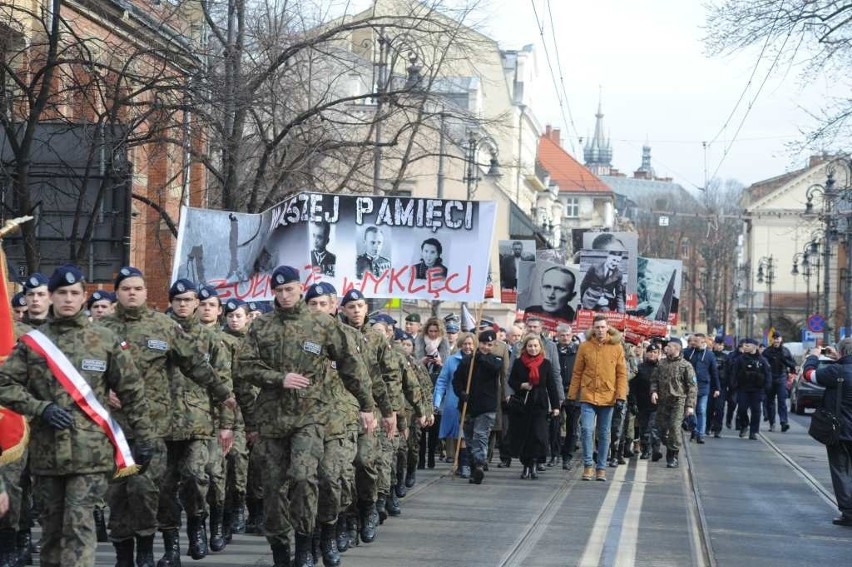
399	247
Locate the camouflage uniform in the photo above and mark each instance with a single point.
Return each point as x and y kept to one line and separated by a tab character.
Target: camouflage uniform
675	385
158	346
407	393
71	467
237	459
409	458
195	420
290	420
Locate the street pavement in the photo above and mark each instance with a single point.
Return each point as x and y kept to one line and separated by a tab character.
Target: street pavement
733	502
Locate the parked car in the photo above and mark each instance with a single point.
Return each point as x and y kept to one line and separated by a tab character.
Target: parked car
804	394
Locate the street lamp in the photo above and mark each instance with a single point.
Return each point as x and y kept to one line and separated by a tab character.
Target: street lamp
766	274
471	178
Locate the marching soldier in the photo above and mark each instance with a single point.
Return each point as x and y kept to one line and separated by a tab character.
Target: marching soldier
75	446
286	354
158	346
674	390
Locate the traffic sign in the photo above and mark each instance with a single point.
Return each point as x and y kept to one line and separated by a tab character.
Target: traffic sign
816	323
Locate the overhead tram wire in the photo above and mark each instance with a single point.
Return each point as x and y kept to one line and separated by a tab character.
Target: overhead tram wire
561	75
540	27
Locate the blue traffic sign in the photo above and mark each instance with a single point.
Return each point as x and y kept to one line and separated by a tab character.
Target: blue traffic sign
816	323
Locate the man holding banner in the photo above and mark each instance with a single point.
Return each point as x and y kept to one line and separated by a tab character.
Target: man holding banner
58	377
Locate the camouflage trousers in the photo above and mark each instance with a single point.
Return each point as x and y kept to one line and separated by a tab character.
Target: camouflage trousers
669	417
68	529
236	469
334	480
415	432
11	475
290	484
366	466
184	482
386	462
134	500
254	475
215	474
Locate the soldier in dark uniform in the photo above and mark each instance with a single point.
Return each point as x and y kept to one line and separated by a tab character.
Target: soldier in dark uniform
371	260
71	455
321	259
286	354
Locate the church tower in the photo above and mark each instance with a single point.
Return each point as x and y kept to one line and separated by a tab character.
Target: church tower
598	151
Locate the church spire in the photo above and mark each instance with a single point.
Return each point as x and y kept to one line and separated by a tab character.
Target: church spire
598	151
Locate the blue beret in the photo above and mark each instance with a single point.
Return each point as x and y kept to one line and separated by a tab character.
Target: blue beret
19	300
284	275
453	327
383	318
318	289
183	285
233	304
750	342
68	274
100	295
206	292
352	295
127	272
34	280
399	335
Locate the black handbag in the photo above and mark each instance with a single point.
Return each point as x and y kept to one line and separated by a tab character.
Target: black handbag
825	425
517	403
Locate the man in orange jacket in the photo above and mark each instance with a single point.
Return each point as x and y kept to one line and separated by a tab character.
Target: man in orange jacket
598	384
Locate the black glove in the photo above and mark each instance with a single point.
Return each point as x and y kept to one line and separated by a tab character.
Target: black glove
619	405
143	453
57	417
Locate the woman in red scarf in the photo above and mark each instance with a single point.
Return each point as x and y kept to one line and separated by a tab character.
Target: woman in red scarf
538	396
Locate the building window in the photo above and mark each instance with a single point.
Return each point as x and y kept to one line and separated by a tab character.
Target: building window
684	248
572	207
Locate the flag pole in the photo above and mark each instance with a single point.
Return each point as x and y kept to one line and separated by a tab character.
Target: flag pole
478	317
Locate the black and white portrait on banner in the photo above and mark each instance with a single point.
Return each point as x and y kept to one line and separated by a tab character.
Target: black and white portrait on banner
512	253
659	289
627	242
400	247
603	285
549	292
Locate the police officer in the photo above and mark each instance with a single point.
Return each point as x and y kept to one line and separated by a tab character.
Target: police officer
71	455
718	408
780	363
750	378
286	354
674	389
159	346
640	391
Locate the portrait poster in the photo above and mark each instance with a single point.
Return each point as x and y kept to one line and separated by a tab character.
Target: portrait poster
402	247
554	255
603	281
549	293
658	292
512	253
622	241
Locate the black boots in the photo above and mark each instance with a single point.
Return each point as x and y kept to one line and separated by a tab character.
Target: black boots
671	459
328	545
171	541
217	536
25	547
8	548
124	553
399	489
100	525
238	515
196	532
411	475
381	508
254	524
342	533
281	555
145	551
304	554
392	503
525	474
369	521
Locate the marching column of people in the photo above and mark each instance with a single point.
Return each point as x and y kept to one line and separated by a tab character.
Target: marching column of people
315	416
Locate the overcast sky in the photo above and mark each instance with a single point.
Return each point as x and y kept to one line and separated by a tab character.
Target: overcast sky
657	82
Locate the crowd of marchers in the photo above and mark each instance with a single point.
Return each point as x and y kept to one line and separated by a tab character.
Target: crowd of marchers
306	421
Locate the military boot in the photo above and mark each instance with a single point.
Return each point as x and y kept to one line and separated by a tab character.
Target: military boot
304	553
381	508
238	515
392	503
25	547
197	534
316	552
100	525
671	459
399	488
352	529
8	548
227	519
342	533
328	546
171	543
411	475
217	537
254	524
369	521
281	555
145	551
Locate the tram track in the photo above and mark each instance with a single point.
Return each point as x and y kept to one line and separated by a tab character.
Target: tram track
703	553
825	494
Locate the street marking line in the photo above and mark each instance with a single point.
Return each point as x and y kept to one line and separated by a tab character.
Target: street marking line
825	495
627	544
594	547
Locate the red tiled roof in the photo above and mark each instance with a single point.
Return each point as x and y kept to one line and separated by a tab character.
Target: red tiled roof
569	174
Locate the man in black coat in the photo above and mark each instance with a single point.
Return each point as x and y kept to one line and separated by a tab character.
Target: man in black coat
640	392
567	344
780	363
717	410
750	378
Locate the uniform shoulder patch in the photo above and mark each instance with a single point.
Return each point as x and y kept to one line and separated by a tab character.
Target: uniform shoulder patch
312	347
157	344
93	365
124	345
